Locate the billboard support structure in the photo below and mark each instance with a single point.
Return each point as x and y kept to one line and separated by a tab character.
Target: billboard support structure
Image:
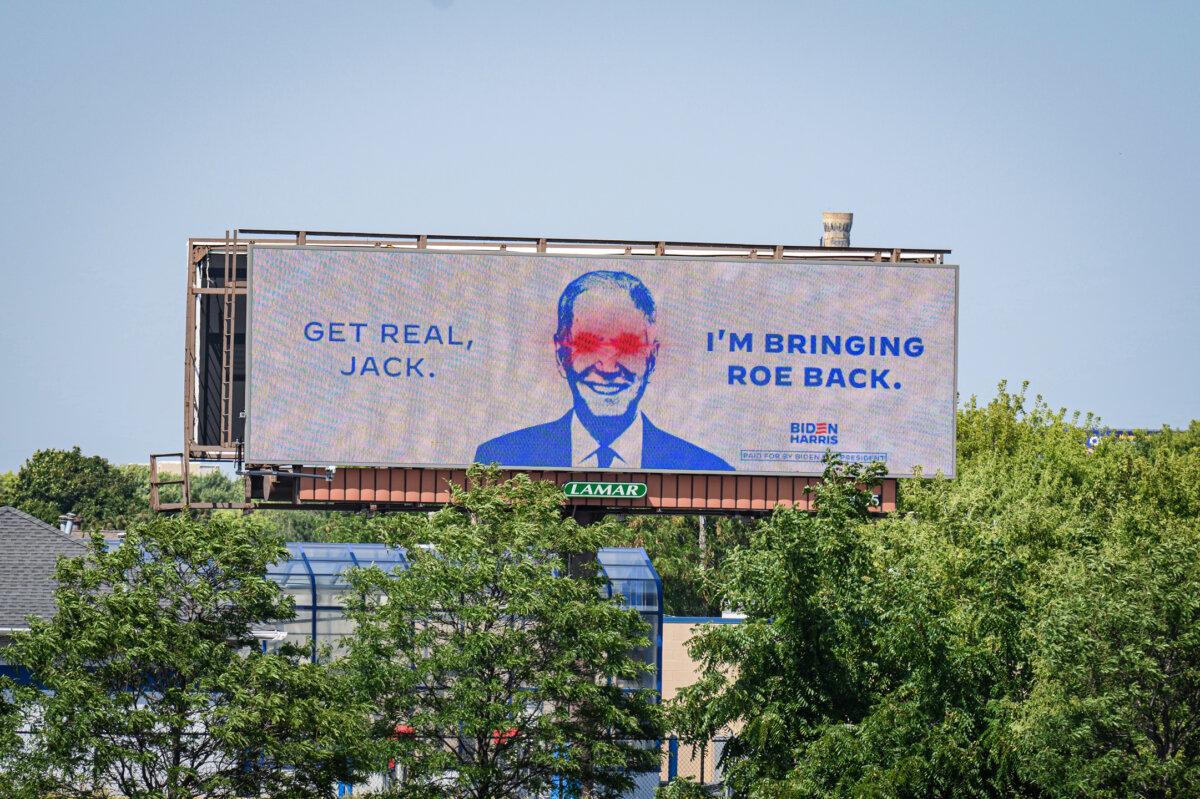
214	372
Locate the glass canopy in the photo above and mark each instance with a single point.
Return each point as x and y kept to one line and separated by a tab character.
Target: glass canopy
633	577
314	574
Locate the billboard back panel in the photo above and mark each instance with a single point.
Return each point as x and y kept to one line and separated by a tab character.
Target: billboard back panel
410	358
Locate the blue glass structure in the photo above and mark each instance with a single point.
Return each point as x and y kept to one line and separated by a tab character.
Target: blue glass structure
315	576
632	576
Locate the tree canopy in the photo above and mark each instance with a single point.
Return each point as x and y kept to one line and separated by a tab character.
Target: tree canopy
53	482
1030	628
1027	629
495	663
154	686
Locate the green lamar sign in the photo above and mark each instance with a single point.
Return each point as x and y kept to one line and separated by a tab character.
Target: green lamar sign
613	490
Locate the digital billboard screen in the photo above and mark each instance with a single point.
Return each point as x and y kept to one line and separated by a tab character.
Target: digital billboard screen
379	357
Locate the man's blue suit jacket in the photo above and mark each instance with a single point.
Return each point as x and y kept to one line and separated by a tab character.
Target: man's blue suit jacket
549	446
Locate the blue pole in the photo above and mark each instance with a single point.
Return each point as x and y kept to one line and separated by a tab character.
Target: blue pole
312	582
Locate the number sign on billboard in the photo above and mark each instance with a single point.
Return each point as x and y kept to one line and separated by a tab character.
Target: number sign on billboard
414	358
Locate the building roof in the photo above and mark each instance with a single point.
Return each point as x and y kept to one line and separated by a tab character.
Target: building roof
321	569
631	574
29	550
322	566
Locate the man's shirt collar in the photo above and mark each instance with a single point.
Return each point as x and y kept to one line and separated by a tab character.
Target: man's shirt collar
628	445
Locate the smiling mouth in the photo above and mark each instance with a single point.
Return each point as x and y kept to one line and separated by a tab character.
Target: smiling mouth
607	389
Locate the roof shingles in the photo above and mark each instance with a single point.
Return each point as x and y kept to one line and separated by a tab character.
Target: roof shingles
29	549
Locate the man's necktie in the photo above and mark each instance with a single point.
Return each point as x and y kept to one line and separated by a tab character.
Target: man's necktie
605	455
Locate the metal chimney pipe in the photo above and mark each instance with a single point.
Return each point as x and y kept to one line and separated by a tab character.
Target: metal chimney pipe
66	523
837	228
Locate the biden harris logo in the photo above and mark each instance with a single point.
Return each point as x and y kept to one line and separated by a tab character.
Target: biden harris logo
813	433
606	347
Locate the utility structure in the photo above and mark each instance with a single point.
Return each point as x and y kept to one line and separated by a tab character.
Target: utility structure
215	386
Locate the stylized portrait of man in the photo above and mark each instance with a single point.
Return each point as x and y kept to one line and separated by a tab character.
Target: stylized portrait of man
606	347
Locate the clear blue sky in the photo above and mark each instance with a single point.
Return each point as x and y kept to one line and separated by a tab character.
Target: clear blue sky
1054	148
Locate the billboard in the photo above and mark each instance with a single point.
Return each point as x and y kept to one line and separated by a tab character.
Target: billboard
388	357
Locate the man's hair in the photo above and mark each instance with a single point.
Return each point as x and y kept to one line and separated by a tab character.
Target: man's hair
642	299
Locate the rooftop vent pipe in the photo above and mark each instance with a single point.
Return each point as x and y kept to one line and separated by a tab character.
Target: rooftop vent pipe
66	523
837	228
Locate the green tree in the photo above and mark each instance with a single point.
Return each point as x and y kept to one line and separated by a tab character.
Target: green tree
399	529
14	755
1114	709
8	488
55	481
802	660
682	788
157	688
692	576
304	525
672	544
1008	634
955	572
495	662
